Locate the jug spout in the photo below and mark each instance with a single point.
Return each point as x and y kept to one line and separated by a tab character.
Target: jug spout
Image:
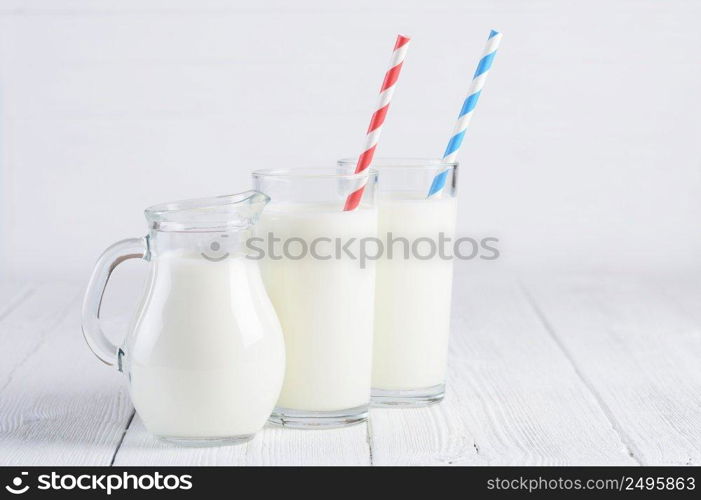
218	213
252	205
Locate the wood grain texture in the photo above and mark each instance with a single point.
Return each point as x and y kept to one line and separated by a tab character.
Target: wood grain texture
638	349
513	397
58	406
271	446
577	370
437	435
11	295
27	319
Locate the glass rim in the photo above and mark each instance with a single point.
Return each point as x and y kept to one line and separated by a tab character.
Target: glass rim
311	173
400	162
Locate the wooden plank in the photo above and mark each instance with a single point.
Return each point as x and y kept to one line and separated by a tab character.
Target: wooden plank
280	446
11	295
681	291
26	321
513	397
58	404
638	352
436	435
271	446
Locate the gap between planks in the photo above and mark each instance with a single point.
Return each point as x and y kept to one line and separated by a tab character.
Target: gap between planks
121	439
623	436
51	413
368	430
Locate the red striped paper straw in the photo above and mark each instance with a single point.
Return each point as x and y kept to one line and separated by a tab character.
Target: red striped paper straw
378	117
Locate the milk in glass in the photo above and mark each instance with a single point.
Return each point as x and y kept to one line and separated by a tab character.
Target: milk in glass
414	280
412	301
324	303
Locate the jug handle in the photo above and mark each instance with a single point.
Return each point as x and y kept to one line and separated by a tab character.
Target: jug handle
100	345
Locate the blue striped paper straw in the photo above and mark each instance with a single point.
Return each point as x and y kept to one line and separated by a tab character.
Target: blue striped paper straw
467	110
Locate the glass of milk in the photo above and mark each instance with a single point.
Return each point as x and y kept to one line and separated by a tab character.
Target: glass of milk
204	353
323	295
413	285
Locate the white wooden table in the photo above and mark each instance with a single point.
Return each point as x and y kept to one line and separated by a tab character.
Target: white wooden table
588	369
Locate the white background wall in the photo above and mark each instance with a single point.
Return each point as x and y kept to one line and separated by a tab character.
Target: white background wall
584	151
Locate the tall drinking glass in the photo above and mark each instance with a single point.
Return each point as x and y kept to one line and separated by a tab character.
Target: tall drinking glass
414	281
322	291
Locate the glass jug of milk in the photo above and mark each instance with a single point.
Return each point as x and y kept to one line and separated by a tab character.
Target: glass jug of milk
204	354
